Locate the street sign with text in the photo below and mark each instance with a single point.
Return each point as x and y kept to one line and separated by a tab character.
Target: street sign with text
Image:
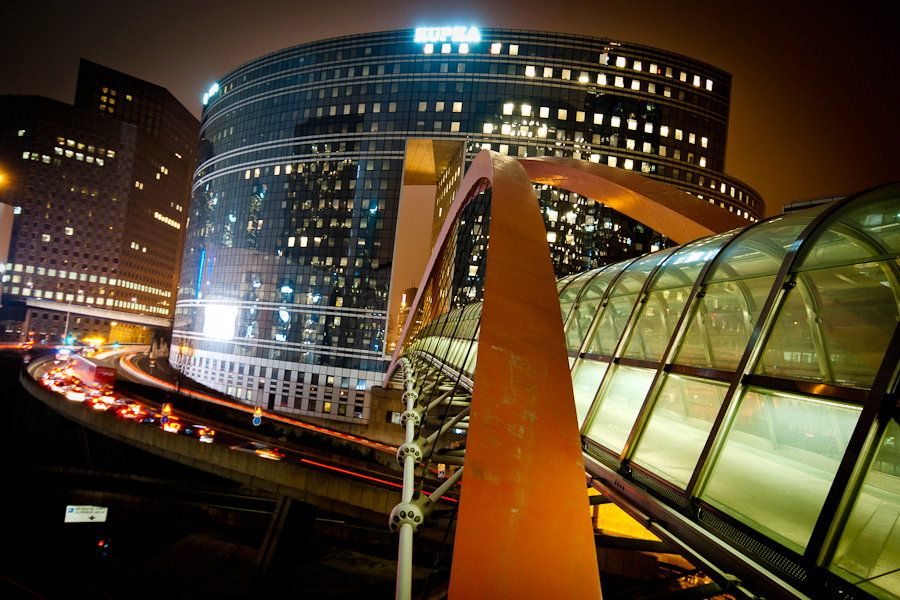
85	514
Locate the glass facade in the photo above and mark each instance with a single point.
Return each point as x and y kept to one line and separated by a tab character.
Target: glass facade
749	380
284	286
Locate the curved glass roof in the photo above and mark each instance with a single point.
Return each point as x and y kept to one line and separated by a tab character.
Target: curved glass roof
752	376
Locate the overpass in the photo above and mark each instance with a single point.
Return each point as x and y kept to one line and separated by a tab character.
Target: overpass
737	395
336	485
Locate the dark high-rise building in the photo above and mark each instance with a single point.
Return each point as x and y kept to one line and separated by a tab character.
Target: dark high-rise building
283	299
100	192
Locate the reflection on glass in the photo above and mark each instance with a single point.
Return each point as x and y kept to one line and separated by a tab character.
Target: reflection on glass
656	323
721	326
619	406
861	230
568	296
868	553
778	462
588	303
612	323
761	249
585	382
835	325
678	427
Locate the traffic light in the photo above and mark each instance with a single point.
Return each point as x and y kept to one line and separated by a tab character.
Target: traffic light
103	547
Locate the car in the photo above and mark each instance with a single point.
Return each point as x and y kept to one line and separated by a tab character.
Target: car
76	394
170	423
260	449
132	410
201	432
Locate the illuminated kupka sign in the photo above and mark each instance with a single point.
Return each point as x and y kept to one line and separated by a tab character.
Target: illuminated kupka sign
213	90
447	34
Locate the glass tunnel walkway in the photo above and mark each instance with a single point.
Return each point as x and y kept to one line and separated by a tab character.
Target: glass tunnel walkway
739	393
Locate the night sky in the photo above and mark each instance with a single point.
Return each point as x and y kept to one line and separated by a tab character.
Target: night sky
815	85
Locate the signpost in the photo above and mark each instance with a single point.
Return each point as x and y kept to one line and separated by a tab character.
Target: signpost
257	416
85	514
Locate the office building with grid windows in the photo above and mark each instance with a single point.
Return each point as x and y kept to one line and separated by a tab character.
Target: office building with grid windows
284	291
100	191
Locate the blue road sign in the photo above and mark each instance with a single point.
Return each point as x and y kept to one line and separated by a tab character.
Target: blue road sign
257	421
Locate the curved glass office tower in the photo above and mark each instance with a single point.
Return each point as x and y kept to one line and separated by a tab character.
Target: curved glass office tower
284	287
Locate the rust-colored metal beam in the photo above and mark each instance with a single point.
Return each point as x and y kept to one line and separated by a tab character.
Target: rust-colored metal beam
677	215
523	529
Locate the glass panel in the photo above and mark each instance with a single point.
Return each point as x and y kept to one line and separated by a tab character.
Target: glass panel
869	226
632	280
655	324
836	325
678	427
567	296
588	303
760	249
685	265
585	382
619	406
612	323
620	302
778	462
721	326
868	554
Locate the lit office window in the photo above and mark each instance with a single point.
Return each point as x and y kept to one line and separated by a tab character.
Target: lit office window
704	141
548	72
514	49
545	112
526	110
579	116
496	48
709	84
696	81
463	48
529	71
619	82
637	65
488	128
566	74
457	107
615	121
635	84
620	61
562	114
601	79
598	119
508	108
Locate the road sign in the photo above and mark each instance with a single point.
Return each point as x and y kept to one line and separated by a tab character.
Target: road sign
256	421
257	416
85	514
